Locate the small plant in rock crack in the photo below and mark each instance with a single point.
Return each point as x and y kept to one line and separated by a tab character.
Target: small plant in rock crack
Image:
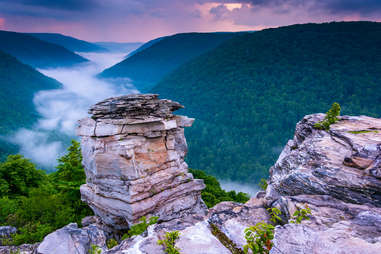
169	242
263	184
258	238
139	228
300	214
94	249
111	243
330	117
274	214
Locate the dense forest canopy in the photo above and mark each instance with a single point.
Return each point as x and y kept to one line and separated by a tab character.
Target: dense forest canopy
248	93
37	53
18	84
148	65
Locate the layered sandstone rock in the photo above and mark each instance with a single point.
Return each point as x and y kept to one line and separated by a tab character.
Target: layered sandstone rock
134	148
133	151
337	174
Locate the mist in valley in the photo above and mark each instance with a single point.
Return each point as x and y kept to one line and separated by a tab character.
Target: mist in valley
60	109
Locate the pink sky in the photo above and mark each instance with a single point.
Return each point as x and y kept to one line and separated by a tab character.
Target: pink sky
142	20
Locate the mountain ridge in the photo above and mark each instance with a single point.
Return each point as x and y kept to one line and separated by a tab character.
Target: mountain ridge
37	53
149	64
252	88
71	43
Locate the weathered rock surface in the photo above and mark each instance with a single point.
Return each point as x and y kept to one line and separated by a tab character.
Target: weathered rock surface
6	233
134	148
22	249
133	152
335	173
73	240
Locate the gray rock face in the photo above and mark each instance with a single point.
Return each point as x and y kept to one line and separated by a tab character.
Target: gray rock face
133	151
73	240
22	249
343	162
335	173
6	232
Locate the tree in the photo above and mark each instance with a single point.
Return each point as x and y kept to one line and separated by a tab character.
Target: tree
330	117
18	175
68	178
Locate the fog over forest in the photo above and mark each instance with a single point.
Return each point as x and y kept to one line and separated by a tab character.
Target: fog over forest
60	109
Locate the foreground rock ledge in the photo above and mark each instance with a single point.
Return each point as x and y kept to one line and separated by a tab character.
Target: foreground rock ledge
133	152
336	173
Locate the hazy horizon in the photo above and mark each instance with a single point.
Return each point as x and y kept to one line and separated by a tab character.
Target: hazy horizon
141	21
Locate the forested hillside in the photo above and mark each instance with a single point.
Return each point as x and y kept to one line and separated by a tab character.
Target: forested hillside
146	67
37	53
248	93
68	42
18	83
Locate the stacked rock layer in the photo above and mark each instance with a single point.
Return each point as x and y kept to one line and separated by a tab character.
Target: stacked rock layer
133	152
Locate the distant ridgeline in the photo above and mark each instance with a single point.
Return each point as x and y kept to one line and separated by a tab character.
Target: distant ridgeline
37	53
70	43
248	93
153	60
18	83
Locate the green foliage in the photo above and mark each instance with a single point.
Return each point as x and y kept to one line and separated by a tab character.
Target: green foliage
95	249
31	233
263	184
248	93
330	117
363	131
146	67
18	175
300	214
37	203
274	215
169	242
140	228
69	176
213	193
258	238
111	243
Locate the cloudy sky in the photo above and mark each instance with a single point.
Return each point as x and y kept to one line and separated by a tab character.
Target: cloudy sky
142	20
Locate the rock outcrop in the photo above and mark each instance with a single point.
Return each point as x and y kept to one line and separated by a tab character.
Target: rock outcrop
312	170
335	173
6	233
134	148
133	152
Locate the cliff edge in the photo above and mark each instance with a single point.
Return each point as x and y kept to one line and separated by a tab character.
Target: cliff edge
134	149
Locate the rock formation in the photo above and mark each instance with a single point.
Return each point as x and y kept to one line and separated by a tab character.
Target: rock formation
133	152
337	174
134	148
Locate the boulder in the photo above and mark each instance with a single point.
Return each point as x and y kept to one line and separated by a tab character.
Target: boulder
73	240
